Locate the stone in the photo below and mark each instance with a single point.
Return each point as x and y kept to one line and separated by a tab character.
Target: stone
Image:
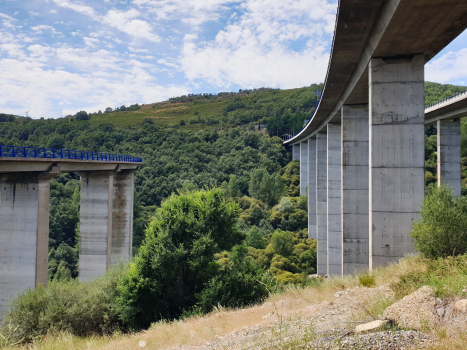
142	344
314	276
370	326
461	306
416	311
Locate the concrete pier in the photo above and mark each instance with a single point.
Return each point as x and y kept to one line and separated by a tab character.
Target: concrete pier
449	154
303	166
95	231
334	193
24	233
355	228
321	202
122	216
396	95
312	189
296	152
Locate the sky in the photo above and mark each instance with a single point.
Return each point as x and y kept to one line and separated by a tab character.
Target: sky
61	56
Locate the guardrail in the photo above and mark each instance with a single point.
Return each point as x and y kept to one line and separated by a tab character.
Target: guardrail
39	152
446	99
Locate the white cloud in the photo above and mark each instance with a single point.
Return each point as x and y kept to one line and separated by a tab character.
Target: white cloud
132	49
40	28
34	14
53	11
256	50
449	68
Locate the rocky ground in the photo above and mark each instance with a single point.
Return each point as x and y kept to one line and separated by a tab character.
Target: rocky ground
327	325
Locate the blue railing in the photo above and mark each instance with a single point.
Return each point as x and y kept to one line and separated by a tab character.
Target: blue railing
39	152
446	98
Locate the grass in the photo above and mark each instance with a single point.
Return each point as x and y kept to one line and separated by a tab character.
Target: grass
447	276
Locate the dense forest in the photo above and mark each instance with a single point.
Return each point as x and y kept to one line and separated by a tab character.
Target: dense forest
195	142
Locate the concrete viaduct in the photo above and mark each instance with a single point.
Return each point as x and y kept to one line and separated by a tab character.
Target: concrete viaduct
106	214
362	152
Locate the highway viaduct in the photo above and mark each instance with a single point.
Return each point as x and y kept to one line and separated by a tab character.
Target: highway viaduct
106	213
362	152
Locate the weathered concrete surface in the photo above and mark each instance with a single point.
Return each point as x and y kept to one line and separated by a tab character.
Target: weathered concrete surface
312	212
321	202
396	88
122	217
24	235
355	228
95	224
296	152
303	166
449	154
334	201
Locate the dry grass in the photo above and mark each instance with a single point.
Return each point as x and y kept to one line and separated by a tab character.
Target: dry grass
200	330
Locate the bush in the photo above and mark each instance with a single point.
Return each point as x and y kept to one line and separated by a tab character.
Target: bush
78	308
366	279
177	257
442	228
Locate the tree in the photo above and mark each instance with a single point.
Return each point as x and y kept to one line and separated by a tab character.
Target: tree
177	257
82	115
282	243
108	110
267	188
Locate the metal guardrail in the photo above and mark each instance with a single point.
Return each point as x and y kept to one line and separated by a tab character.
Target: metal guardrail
39	152
446	99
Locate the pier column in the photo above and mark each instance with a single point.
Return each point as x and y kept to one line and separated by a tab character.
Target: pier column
321	202
303	166
449	154
334	192
122	216
355	228
296	152
312	189
24	233
396	94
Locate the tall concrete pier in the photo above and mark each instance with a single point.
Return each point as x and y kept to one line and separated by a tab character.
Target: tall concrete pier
296	152
355	228
312	209
449	154
397	146
321	202
303	167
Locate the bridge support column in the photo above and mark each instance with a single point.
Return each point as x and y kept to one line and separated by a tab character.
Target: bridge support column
296	152
396	187
24	233
449	154
355	188
312	189
334	192
321	202
106	221
303	166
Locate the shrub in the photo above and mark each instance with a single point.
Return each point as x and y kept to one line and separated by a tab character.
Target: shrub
442	228
366	279
79	308
282	242
177	256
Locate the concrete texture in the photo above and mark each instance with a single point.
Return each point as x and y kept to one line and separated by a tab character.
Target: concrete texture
334	200
449	154
312	233
321	202
355	228
122	217
296	152
24	234
95	224
303	166
396	160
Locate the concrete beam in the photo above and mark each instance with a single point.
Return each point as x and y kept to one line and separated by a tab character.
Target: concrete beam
312	189
449	154
334	193
296	152
303	166
24	235
396	187
355	228
321	201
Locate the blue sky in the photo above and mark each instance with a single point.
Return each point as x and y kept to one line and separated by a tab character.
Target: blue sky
61	56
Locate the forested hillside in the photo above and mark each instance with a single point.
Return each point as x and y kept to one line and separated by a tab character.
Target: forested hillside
193	142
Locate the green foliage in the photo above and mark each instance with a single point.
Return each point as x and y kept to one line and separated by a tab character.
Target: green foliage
255	238
282	243
442	228
177	256
435	92
63	263
78	308
265	187
366	279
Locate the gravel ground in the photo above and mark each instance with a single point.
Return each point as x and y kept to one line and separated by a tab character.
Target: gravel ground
375	341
